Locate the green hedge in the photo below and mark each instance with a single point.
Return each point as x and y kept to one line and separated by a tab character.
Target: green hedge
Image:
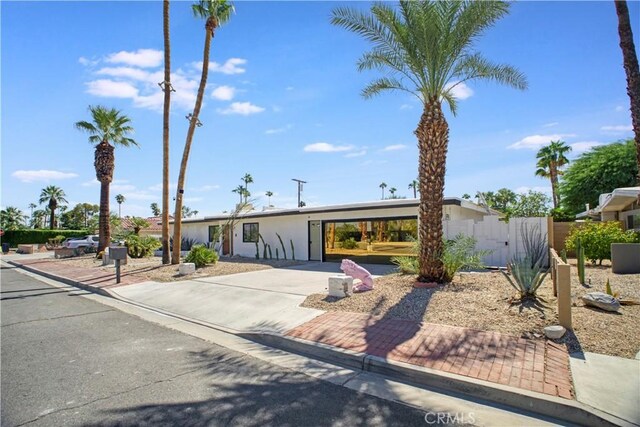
26	236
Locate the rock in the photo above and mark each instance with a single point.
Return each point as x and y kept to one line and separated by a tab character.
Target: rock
186	268
602	301
554	332
340	286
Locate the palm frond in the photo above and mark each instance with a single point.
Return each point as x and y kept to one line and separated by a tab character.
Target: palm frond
383	83
475	67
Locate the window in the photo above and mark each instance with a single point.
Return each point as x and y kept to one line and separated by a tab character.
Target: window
214	233
250	232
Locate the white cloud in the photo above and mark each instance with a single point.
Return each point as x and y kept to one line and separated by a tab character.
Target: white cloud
122	187
111	89
356	154
42	175
140	195
138	58
406	107
242	108
223	93
617	129
289	88
193	199
459	90
619	108
581	147
551	124
204	188
278	130
231	66
128	72
87	62
94	182
323	147
394	147
534	142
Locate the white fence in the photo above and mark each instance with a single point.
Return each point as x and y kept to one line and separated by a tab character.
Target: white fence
503	239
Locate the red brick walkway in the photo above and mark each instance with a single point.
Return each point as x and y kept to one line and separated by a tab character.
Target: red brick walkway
94	277
533	365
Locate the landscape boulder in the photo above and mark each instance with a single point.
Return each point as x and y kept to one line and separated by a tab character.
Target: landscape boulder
602	301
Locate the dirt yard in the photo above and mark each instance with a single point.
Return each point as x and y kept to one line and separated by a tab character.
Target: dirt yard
152	268
485	300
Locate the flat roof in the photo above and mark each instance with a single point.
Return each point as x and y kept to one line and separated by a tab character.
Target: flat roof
350	207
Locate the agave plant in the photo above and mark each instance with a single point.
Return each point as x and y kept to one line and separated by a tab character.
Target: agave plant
526	277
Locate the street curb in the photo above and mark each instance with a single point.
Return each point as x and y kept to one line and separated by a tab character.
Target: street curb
567	410
562	409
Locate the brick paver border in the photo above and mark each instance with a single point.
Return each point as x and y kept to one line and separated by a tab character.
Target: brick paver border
535	365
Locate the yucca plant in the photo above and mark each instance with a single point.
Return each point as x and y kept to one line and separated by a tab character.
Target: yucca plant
526	278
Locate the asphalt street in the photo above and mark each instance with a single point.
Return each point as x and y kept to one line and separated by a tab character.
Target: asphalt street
67	360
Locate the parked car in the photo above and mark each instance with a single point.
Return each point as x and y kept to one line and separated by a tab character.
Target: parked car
82	242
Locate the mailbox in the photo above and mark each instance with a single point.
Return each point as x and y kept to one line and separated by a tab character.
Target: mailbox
118	252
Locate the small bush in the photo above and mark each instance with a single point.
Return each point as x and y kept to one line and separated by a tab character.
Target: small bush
461	254
350	243
526	278
597	237
141	247
201	256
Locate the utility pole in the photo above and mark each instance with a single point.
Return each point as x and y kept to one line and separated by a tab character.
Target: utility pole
300	182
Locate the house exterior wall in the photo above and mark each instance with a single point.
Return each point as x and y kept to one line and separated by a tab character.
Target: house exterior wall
624	217
295	227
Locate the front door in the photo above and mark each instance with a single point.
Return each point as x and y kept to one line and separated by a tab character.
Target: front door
315	241
226	241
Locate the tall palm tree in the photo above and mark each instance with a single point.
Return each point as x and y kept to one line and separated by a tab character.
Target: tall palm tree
632	70
240	190
216	13
32	206
53	196
167	88
248	179
120	199
383	186
108	126
550	159
392	191
426	48
269	194
414	186
39	218
155	210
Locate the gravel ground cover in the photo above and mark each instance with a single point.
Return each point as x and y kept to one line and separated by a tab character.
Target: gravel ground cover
152	268
485	300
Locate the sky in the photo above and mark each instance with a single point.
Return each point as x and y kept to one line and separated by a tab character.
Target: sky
283	101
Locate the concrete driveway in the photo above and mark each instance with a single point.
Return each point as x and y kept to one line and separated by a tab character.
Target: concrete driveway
257	301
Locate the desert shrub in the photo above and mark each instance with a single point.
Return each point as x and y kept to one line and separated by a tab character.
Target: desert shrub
597	237
527	272
535	244
461	254
28	236
201	256
350	243
141	247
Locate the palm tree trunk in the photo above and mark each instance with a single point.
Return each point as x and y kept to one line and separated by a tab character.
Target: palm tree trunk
632	70
105	230
433	137
553	176
177	221
52	217
165	134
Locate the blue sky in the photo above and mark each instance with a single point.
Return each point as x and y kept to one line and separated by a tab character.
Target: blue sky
283	101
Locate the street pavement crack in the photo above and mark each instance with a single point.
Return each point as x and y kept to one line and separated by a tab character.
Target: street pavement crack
120	393
58	317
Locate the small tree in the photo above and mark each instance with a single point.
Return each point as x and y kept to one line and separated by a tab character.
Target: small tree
596	239
138	224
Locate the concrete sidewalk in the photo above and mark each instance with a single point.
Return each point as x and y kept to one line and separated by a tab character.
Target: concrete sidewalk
265	305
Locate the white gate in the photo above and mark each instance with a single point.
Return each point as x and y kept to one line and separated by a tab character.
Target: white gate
503	239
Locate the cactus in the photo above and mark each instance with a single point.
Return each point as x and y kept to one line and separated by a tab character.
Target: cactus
277	255
269	248
580	258
284	251
293	251
563	255
264	245
257	251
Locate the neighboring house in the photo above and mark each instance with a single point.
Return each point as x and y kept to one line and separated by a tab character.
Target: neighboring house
154	229
622	204
364	232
